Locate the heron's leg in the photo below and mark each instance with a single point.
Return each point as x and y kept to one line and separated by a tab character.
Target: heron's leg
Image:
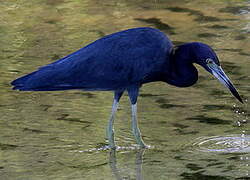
133	94
135	128
110	131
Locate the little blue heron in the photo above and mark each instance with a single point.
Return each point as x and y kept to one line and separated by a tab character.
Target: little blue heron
124	61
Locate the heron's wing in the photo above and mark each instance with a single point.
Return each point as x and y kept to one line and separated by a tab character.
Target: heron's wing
110	63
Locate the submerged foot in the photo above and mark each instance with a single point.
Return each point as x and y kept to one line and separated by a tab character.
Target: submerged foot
142	145
139	141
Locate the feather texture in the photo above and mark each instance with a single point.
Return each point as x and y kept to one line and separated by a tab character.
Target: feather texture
116	61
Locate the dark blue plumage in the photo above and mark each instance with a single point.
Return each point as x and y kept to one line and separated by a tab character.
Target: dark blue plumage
124	61
114	62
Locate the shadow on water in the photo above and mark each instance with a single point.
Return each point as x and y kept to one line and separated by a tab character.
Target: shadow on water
207	35
64	117
99	32
54	2
158	24
240	37
165	104
217	26
209	120
7	146
232	9
199	176
238	50
200	17
215	107
148	95
232	68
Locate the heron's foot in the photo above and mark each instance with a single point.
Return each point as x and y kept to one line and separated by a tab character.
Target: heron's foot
142	144
139	140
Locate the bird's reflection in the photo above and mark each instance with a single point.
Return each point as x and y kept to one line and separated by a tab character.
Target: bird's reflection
138	165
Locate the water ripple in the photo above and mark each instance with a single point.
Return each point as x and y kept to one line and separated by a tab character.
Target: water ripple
224	144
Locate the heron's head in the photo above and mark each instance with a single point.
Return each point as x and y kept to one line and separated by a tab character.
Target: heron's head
207	58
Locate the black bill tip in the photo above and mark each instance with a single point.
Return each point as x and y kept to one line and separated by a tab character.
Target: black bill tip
218	72
236	94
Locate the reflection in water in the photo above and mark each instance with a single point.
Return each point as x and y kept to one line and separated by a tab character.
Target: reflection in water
209	120
138	165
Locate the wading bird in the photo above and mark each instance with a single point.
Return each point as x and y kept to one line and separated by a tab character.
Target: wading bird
124	61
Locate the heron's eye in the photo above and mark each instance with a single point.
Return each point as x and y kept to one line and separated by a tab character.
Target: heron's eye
209	61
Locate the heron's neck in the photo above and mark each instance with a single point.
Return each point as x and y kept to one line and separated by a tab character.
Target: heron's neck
183	73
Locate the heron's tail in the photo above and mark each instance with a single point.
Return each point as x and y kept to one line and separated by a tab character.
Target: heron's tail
44	79
23	84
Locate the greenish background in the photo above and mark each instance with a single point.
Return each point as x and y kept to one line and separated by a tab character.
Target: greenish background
61	135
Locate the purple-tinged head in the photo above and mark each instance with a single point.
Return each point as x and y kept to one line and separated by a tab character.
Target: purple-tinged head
207	58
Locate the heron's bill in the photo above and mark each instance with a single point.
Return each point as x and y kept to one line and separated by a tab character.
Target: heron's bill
218	72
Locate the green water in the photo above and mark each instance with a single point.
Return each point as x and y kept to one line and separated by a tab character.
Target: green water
61	135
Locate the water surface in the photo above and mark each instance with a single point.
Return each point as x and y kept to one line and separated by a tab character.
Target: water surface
61	135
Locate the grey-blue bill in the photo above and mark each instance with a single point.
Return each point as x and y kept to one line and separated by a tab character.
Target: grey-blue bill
218	72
